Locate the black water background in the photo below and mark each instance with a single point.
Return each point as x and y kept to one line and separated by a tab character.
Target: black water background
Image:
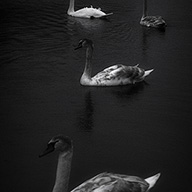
137	130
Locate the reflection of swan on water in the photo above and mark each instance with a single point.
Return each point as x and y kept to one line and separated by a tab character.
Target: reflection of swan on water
112	76
87	12
103	182
147	39
86	119
87	25
129	92
151	21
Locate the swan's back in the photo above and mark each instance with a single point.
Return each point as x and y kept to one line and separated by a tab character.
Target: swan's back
108	182
88	12
119	75
153	21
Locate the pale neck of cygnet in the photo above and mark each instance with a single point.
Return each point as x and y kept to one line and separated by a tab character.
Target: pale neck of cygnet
144	8
63	172
88	67
71	6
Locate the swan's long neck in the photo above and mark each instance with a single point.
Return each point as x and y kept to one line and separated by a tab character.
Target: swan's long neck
63	172
88	67
144	8
71	6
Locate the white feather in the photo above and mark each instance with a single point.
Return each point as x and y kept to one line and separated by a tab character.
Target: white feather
87	12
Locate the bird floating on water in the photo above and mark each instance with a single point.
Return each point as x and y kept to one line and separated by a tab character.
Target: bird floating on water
112	76
87	12
103	182
151	21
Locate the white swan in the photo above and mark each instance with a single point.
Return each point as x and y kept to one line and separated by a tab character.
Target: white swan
151	21
104	182
112	76
87	12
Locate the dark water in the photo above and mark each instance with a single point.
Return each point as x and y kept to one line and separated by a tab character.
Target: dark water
138	130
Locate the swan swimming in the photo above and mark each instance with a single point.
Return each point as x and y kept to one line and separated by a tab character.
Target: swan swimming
151	21
87	12
112	76
103	182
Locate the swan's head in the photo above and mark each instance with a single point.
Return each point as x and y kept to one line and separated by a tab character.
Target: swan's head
59	142
84	43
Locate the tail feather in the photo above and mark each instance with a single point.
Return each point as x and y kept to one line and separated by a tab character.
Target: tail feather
152	180
148	72
106	15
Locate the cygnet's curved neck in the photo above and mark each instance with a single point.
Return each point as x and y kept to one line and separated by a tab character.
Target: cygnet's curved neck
63	172
144	8
88	67
71	6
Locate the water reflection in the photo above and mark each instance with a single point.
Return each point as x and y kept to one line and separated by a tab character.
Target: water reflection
85	117
85	26
129	91
86	122
150	32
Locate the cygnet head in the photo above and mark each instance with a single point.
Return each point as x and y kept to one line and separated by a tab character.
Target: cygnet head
84	43
60	143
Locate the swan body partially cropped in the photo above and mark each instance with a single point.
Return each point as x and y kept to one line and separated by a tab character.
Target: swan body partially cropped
151	21
87	12
112	76
104	182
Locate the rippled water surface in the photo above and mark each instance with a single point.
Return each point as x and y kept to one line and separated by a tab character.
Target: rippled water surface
139	129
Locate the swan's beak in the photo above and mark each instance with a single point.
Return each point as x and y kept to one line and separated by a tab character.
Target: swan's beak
78	47
50	148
